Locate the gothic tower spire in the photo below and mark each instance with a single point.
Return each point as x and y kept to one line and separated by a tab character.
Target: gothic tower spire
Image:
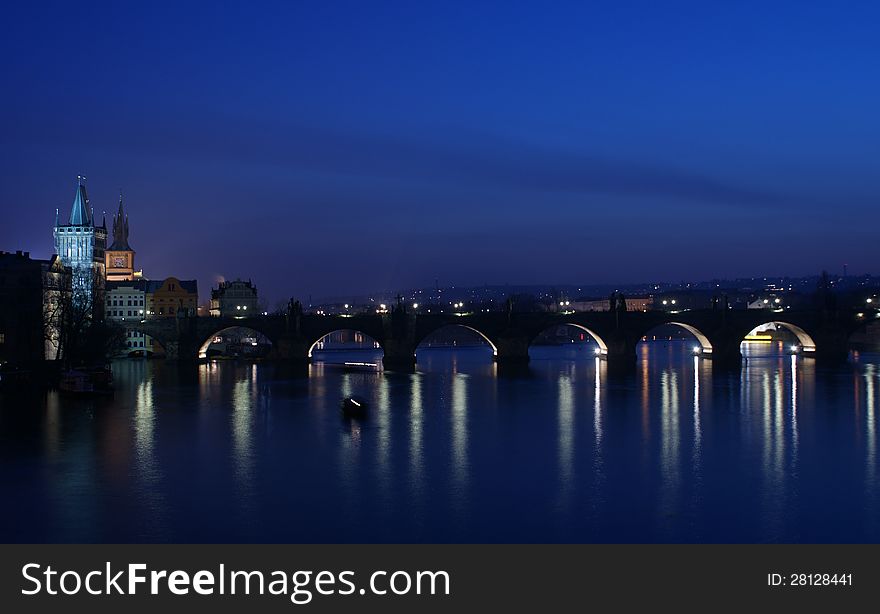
79	213
120	229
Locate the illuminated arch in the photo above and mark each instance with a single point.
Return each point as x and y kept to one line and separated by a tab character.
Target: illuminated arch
703	340
603	347
470	328
339	330
805	341
203	348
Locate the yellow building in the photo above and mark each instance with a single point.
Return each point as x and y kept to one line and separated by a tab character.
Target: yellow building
171	298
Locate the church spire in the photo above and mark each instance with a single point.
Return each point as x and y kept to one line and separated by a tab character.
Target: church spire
120	229
79	213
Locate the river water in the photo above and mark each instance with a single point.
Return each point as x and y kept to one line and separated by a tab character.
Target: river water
780	451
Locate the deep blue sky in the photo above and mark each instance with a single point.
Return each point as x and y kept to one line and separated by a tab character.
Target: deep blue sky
327	147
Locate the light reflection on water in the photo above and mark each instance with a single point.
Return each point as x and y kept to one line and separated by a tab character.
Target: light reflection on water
459	451
871	375
565	421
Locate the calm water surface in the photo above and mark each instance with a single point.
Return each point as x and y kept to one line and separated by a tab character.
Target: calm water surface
781	451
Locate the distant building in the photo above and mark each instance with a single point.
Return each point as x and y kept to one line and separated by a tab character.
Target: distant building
633	303
683	301
171	298
588	305
126	304
33	297
81	246
234	299
119	259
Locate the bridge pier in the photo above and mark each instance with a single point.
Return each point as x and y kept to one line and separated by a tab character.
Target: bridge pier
290	350
182	351
621	363
621	355
399	356
832	346
726	354
512	350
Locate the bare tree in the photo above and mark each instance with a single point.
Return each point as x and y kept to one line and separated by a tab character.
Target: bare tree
74	321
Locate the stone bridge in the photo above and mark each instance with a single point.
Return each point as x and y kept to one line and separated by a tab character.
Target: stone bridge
719	332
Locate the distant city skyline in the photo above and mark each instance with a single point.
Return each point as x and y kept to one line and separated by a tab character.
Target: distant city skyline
318	147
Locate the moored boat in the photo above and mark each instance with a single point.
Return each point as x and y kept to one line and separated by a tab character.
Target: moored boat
354	406
87	381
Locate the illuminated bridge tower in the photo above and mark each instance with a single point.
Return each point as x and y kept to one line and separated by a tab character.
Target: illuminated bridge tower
80	245
120	256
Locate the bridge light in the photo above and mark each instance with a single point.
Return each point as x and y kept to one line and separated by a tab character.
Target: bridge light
869	300
697	349
860	315
597	351
777	301
794	349
665	301
673	301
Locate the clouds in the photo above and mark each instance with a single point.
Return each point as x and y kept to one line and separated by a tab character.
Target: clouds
463	160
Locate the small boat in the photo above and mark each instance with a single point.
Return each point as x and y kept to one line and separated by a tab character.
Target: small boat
14	378
87	381
354	406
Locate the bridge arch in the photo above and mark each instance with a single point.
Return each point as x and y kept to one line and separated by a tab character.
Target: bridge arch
602	347
141	344
206	343
865	334
317	342
805	342
450	325
152	334
703	344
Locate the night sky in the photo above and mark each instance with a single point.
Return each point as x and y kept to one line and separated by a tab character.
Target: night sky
327	148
